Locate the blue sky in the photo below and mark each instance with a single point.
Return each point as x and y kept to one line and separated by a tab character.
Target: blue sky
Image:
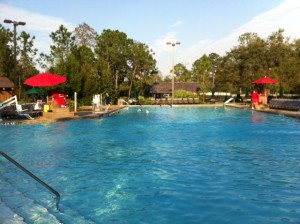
202	26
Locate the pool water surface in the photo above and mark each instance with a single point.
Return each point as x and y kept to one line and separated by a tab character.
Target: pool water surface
173	165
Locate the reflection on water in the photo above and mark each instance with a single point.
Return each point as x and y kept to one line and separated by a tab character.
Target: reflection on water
258	117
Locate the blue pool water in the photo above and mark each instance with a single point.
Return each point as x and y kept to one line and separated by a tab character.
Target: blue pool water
173	165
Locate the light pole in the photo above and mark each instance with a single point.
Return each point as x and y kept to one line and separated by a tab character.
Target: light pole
15	23
214	74
173	44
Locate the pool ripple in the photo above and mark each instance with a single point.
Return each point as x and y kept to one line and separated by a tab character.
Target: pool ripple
174	165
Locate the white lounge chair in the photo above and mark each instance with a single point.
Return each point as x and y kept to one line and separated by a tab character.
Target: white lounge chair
21	113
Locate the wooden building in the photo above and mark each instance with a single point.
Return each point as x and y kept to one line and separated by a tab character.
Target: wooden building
6	88
165	88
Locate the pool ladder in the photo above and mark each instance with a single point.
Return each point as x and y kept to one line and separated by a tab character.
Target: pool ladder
57	195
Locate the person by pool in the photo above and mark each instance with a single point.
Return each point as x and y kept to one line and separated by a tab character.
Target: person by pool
254	100
107	102
140	109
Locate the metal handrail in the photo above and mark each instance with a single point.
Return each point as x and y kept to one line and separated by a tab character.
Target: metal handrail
57	195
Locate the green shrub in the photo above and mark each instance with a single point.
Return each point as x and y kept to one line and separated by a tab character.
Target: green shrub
144	101
185	94
71	103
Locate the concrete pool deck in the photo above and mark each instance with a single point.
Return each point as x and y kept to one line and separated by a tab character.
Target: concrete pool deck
288	113
87	113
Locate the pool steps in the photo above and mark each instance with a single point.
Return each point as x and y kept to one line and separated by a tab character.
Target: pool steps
18	207
24	207
20	204
57	195
8	216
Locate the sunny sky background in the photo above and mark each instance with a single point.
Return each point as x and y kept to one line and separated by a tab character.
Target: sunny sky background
202	26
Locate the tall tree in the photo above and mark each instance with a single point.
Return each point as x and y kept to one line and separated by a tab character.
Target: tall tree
228	77
142	66
252	59
57	61
201	69
294	64
85	36
182	73
279	52
63	43
82	68
28	53
6	53
215	64
112	52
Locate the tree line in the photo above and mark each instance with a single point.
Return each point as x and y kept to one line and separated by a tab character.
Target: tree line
112	62
276	57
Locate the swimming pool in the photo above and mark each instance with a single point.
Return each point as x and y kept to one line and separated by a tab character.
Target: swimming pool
173	165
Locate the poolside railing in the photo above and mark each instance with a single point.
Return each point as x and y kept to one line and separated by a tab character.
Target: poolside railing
57	195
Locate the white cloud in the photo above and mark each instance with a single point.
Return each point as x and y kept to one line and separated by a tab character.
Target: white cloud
192	53
178	23
37	25
286	16
163	51
160	45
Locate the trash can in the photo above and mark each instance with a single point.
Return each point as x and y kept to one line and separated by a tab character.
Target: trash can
46	108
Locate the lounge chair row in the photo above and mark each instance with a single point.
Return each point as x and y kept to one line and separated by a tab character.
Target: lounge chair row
177	101
285	104
20	112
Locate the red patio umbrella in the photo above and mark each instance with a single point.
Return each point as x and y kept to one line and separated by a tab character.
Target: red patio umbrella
45	79
265	80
